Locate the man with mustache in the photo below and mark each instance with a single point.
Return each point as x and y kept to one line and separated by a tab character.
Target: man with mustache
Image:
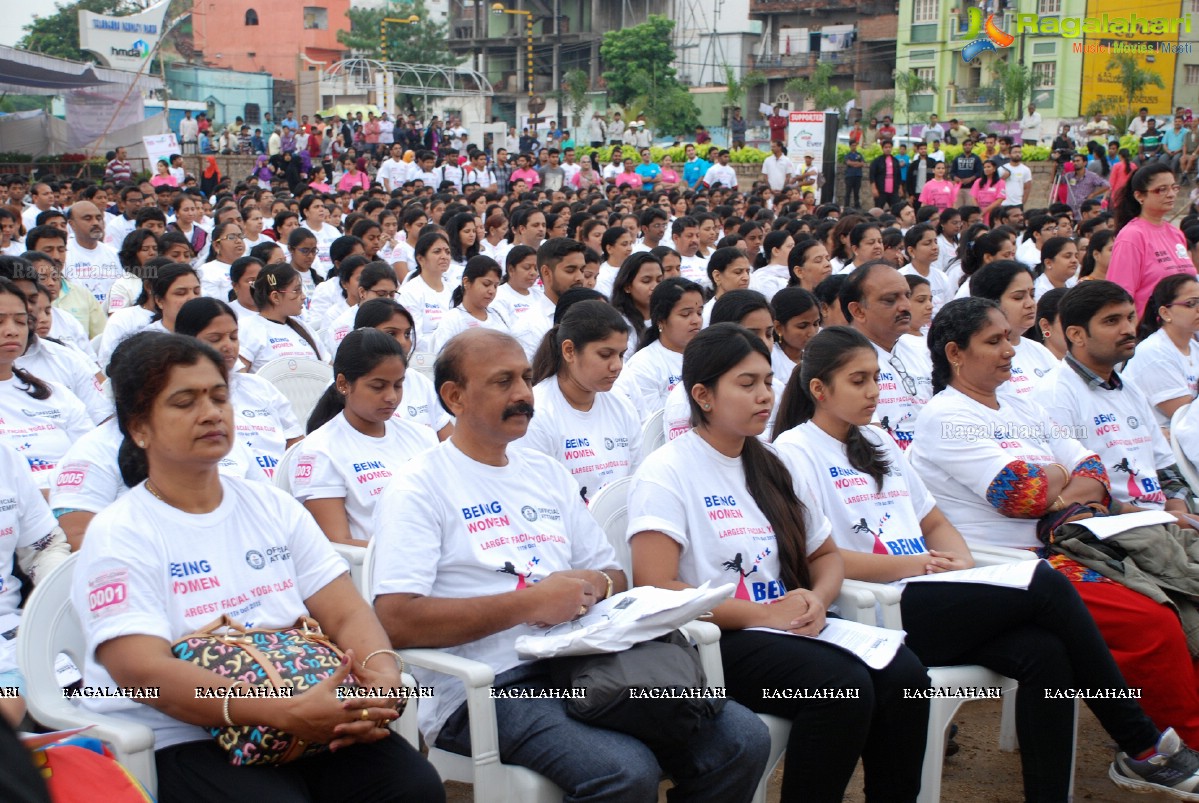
1108	415
90	262
479	544
876	301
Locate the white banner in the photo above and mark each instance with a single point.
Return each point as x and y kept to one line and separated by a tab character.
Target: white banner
805	137
160	146
91	113
122	42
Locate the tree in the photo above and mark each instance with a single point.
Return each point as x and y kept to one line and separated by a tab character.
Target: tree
1132	79
823	94
576	85
641	76
1013	83
642	49
734	92
58	33
422	42
908	85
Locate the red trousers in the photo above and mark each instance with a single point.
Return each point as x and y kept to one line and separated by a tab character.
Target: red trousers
1147	641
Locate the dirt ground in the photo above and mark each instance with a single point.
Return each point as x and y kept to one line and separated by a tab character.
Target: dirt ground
980	772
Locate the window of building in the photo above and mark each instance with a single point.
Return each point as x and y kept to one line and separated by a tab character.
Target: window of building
251	17
316	19
1192	73
925	11
1044	48
253	114
921	55
1046	71
1049	6
1195	6
928	74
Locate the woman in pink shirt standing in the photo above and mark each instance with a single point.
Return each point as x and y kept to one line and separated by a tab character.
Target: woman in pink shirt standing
355	175
989	191
1122	169
1147	247
939	191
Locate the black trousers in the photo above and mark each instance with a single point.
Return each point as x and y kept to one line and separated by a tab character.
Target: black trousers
387	771
853	191
1044	638
828	736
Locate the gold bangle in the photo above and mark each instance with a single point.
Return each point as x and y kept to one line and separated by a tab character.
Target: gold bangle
1065	471
1060	504
392	653
607	577
225	706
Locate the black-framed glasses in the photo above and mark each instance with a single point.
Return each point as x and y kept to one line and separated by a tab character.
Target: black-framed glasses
909	383
306	251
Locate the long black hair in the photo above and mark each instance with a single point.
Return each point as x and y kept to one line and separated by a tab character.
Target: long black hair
357	355
663	301
195	316
166	276
1099	240
823	357
132	246
1046	311
476	268
585	322
33	386
733	306
710	355
139	372
453	230
995	278
956	322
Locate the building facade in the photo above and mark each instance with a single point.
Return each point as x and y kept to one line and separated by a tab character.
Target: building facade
266	35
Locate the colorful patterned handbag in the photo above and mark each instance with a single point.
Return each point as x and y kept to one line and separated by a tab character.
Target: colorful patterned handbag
296	658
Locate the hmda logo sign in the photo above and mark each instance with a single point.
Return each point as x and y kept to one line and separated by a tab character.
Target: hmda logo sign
138	50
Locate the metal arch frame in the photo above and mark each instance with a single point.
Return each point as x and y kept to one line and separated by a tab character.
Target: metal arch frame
411	79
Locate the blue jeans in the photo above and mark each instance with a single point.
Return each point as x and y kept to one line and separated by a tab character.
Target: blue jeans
723	762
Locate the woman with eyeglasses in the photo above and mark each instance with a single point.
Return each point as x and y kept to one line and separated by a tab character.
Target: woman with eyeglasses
277	332
1148	247
420	403
367	280
1166	364
228	246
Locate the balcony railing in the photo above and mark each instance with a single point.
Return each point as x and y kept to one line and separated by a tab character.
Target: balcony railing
983	96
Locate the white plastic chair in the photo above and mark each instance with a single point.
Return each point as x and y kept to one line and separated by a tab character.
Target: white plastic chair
301	381
494	782
1185	465
652	435
50	627
354	555
422	362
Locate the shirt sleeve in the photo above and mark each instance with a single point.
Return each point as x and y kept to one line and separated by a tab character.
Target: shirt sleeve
316	475
85	485
34	518
315	562
405	564
655	505
1156	376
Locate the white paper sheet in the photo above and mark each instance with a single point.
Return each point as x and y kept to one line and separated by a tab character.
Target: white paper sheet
1107	526
766	109
1017	574
875	646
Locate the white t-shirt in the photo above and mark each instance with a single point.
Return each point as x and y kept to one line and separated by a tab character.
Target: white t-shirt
947	253
649	376
962	446
606	278
25	519
513	305
1162	372
391	174
261	340
263	419
695	268
337	328
491	530
124	293
458	320
66	366
41	430
943	289
599	446
96	269
698	497
420	404
864	517
532	326
338	462
1118	426
900	400
769	279
149	569
89	479
64	327
1028	253
1031	363
325	236
1016	178
326	303
215	281
426	305
781	364
1187	431
121	324
1042	285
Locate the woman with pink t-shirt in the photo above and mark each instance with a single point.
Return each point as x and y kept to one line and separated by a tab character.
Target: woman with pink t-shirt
989	191
1147	247
939	191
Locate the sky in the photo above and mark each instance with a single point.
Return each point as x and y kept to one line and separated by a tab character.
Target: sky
18	15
